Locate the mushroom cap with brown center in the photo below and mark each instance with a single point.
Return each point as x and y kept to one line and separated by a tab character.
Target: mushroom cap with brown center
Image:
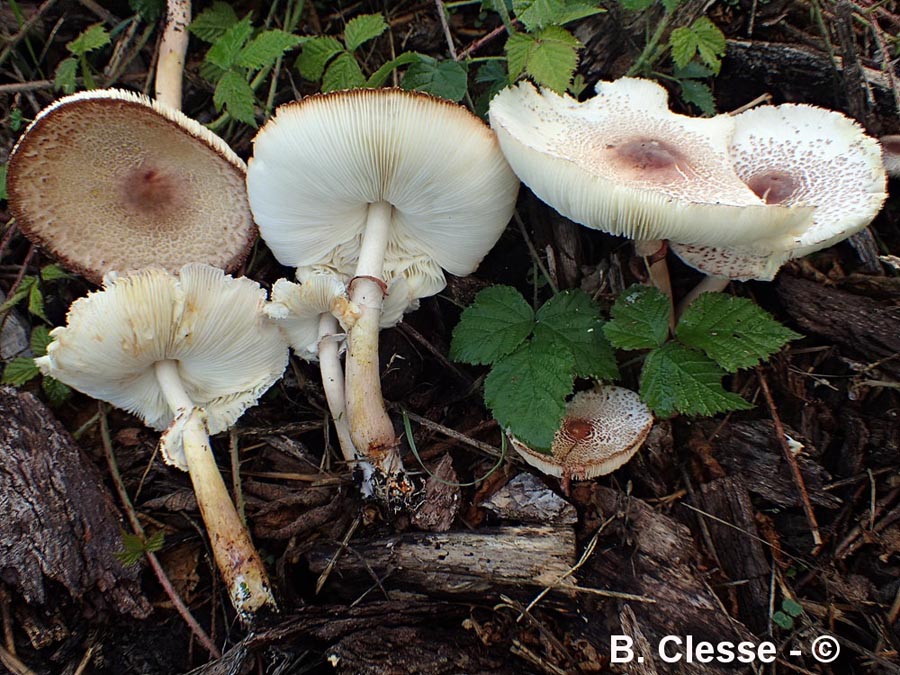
799	154
622	162
108	180
602	429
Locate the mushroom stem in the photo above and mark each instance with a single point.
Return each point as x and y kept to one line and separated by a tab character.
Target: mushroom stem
237	559
653	251
370	427
710	284
333	384
172	50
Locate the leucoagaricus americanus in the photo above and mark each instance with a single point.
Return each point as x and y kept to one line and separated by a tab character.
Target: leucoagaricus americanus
387	183
796	154
601	430
187	354
110	180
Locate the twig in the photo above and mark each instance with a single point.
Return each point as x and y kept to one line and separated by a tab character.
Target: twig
442	14
434	351
323	577
482	41
452	433
792	462
534	252
37	85
13	664
185	613
27	26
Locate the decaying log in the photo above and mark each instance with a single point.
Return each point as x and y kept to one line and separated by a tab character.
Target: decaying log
871	328
58	520
467	563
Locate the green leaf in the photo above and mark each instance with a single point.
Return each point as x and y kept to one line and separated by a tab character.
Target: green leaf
64	78
575	11
494	75
3	193
698	94
782	620
363	28
265	48
343	73
16	119
571	320
670	5
40	338
21	292
702	37
549	56
36	302
493	326
676	378
225	50
235	95
92	38
212	23
526	392
315	55
693	71
733	332
19	371
447	79
380	76
54	272
791	607
134	547
55	391
640	319
148	10
636	5
537	14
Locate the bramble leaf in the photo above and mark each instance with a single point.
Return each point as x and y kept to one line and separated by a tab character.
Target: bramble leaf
92	38
36	301
55	391
19	371
263	50
698	94
447	79
3	193
343	73
148	10
134	547
702	37
315	56
53	272
494	75
640	319
636	5
493	326
549	56
571	320
363	28
676	378
236	97
40	338
526	392
64	78
380	76
733	332
225	50
212	23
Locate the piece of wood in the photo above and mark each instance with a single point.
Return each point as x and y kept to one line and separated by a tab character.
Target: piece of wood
58	520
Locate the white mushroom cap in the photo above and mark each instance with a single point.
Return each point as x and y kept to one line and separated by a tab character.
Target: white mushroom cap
320	162
228	353
623	163
602	429
799	154
110	180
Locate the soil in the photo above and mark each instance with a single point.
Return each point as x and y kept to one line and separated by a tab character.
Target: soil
710	531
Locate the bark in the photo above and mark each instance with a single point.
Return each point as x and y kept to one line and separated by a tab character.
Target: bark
59	522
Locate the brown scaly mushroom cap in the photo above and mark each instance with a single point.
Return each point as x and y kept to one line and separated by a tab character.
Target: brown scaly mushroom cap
601	431
622	162
110	180
799	154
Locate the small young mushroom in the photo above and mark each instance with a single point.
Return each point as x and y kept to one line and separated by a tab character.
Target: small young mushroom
109	180
796	154
387	183
602	429
188	355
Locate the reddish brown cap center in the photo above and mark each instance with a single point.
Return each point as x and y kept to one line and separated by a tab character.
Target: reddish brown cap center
773	187
577	429
148	188
648	158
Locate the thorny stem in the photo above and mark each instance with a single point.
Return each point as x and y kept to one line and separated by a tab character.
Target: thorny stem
237	559
172	51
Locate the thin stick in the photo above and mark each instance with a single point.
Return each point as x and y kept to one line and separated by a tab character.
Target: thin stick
27	26
792	462
13	664
482	41
452	433
442	14
182	609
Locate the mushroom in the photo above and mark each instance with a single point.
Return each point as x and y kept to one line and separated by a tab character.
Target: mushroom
108	180
188	355
387	183
172	50
622	162
796	154
601	430
890	154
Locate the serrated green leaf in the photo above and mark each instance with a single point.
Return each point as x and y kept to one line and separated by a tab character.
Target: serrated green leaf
16	119
494	75
36	302
212	23
698	94
3	193
526	392
782	620
55	391
447	79
21	292
574	11
148	10
493	326
683	46
64	78
54	272
263	50
40	338
702	37
19	371
90	39
235	96
315	55
636	5
571	320
134	547
535	14
363	28
211	72
676	378
733	332
343	73
380	76
640	319
791	607
549	56
693	71
225	50
670	5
